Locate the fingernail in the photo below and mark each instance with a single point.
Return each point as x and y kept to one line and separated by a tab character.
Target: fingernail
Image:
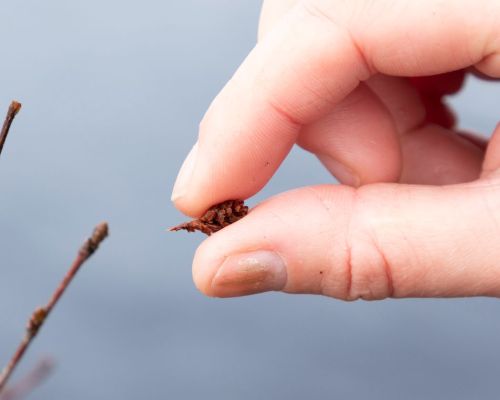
182	181
249	273
343	173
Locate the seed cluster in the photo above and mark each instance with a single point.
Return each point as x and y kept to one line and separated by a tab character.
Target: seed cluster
216	217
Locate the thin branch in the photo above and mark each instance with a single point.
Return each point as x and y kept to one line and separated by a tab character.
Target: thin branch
40	314
11	114
30	381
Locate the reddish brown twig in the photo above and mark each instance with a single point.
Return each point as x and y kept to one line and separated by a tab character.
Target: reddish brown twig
40	314
216	218
11	114
29	382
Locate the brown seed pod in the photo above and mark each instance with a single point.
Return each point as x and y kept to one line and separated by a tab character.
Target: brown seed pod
216	218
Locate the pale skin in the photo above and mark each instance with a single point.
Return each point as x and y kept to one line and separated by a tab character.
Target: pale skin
418	210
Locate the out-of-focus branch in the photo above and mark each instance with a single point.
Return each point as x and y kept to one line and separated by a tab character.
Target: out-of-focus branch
30	381
40	314
11	114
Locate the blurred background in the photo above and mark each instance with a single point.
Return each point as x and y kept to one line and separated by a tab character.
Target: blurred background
113	92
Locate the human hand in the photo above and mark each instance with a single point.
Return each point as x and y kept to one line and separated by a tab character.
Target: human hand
418	214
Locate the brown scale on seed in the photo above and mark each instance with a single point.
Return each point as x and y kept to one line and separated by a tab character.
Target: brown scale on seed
216	218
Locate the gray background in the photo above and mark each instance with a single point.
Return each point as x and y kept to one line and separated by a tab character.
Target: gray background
113	92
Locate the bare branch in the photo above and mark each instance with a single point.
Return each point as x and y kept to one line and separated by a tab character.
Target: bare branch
40	315
11	114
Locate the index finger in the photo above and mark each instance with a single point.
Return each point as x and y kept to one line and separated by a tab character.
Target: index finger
313	58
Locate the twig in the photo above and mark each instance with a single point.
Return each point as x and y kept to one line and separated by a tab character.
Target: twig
40	314
29	382
11	114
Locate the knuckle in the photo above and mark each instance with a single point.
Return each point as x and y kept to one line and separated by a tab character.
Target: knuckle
357	269
369	272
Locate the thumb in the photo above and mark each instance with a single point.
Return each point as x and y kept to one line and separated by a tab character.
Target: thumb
378	241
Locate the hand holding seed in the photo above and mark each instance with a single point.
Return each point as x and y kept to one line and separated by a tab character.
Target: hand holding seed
361	84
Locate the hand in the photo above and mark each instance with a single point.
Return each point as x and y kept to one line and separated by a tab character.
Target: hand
418	214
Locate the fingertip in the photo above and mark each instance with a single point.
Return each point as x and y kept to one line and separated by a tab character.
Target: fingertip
490	65
181	193
434	155
204	268
276	247
249	273
491	162
340	171
356	150
235	270
189	206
